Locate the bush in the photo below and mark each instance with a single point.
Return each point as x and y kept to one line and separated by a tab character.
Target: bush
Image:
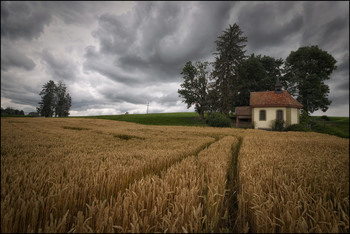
325	117
305	118
278	125
297	127
218	120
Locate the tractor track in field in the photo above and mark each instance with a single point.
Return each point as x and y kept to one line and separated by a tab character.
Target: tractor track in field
232	186
165	166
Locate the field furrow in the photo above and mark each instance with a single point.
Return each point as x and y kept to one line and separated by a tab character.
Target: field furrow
188	197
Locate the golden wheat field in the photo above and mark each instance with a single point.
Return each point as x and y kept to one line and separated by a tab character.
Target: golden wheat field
84	175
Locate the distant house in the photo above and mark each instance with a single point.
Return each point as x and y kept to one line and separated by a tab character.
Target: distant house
36	114
266	107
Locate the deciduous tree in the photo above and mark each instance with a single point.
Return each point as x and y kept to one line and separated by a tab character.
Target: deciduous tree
306	70
63	100
194	88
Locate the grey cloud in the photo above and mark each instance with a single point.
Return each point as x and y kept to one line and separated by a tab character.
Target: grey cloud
69	11
341	98
18	92
11	57
333	29
341	74
260	26
343	86
156	39
113	35
169	99
81	105
140	53
343	67
23	20
325	22
119	96
103	65
61	68
26	20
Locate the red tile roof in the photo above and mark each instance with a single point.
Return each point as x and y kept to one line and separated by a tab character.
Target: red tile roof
243	110
271	99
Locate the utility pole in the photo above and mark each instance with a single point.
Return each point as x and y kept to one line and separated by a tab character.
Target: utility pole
147	106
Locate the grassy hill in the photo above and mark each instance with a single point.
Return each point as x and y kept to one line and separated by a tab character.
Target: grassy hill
338	126
174	119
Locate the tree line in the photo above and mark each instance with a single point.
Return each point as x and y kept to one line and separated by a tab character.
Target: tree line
227	82
55	100
11	111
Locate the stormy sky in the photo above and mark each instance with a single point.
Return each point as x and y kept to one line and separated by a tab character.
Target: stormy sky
115	57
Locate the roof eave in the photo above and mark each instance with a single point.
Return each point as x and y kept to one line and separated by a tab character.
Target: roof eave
293	106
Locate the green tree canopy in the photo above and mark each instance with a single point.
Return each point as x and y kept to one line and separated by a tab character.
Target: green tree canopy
11	111
305	72
257	73
194	88
64	100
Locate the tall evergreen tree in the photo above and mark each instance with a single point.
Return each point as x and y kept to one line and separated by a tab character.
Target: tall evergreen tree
54	100
229	56
48	99
305	72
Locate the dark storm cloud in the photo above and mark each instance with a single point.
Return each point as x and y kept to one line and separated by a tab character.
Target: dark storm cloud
343	86
69	11
106	67
26	20
60	67
155	39
340	99
334	28
260	26
341	75
343	65
11	57
23	20
135	55
325	32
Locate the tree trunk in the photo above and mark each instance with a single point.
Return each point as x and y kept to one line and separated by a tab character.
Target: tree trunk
201	114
